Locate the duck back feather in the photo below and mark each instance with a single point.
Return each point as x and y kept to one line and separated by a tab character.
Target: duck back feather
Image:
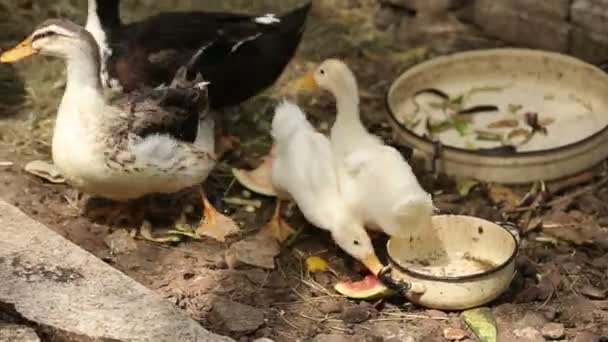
242	54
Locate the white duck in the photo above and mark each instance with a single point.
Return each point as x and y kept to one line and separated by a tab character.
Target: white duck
374	177
303	170
153	141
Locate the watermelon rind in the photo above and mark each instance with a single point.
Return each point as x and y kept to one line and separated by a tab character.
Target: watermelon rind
377	290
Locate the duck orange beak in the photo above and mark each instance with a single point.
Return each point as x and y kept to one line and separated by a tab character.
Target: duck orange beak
306	82
372	263
21	51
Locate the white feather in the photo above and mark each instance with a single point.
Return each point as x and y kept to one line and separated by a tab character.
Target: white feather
304	168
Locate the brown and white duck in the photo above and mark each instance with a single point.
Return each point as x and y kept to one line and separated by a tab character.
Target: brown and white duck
155	140
240	55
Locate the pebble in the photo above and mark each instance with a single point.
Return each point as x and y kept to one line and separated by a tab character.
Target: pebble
436	314
454	334
532	319
120	242
330	307
356	314
237	317
554	331
529	333
258	250
587	337
330	338
263	339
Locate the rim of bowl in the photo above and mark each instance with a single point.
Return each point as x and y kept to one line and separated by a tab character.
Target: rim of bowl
473	153
427	276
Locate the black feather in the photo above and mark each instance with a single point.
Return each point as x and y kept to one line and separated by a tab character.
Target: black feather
236	74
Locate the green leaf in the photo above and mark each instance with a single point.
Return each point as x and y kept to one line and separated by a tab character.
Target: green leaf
482	323
465	185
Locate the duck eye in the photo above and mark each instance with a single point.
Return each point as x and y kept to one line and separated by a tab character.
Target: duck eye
322	72
43	35
356	242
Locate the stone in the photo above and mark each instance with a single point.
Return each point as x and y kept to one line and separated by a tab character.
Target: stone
512	25
236	317
587	337
389	331
591	15
356	314
258	250
529	334
589	46
70	294
436	314
454	334
263	339
532	319
120	242
331	338
17	333
554	331
330	306
553	9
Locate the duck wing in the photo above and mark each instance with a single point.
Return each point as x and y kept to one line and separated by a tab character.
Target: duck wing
241	54
174	111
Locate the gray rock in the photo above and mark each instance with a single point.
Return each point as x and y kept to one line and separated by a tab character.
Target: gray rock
554	9
331	306
72	295
258	250
357	313
17	333
532	319
554	331
236	317
591	15
512	25
120	242
529	334
331	338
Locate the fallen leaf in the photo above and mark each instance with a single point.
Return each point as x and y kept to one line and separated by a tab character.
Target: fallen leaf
454	334
482	323
500	194
488	136
465	185
574	235
316	264
513	108
506	123
45	171
522	134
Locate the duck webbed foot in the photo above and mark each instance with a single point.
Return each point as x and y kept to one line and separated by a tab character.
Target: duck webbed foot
277	227
214	224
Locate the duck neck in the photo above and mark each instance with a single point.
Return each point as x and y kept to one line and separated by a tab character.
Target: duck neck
83	83
348	118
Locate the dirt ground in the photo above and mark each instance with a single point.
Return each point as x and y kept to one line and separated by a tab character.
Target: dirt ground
562	264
